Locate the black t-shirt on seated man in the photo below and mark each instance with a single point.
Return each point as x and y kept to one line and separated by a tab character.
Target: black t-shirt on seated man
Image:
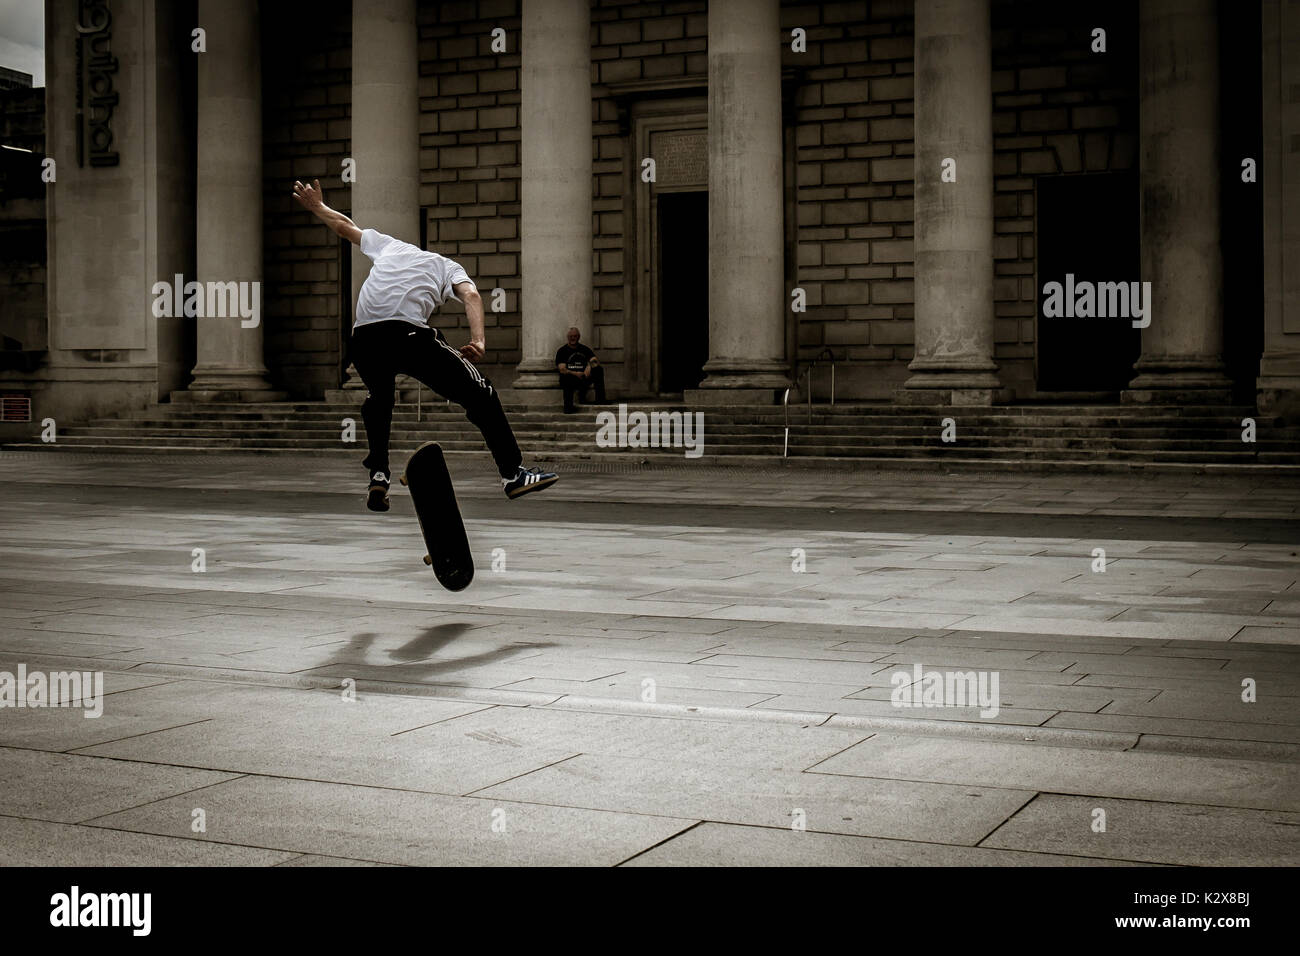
574	357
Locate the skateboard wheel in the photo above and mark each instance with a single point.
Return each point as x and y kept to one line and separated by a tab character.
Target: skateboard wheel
428	560
402	480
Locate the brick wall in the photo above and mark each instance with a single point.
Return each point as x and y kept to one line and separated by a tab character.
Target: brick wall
469	158
469	161
853	189
1058	109
306	134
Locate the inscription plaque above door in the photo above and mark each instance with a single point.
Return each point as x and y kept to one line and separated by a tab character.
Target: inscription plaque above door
681	157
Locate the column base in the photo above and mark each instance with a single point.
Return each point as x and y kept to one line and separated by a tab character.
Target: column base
535	375
740	381
1277	390
1282	402
958	382
222	381
1188	382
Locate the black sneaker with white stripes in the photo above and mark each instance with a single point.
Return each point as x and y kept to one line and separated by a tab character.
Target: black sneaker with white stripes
527	480
377	498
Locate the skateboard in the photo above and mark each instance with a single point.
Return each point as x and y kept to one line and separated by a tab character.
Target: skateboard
434	498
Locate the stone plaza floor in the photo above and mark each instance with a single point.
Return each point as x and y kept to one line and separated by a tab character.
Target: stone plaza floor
687	664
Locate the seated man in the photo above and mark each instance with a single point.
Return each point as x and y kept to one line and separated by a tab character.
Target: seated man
579	370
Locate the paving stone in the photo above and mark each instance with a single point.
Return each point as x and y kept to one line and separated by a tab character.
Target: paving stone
1219	747
1227	683
36	843
723	844
312	859
1252	634
1185	835
1237	783
1178	727
630	688
890	808
1219	706
395	826
65	788
885	708
319	736
1128	664
726	743
681	576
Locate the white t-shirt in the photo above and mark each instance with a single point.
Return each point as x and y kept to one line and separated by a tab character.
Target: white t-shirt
405	282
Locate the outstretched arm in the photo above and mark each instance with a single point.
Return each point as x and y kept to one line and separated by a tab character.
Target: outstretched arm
476	348
312	199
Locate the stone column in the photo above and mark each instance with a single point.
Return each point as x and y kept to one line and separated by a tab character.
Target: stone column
747	299
954	220
385	132
1178	130
228	206
555	208
1279	176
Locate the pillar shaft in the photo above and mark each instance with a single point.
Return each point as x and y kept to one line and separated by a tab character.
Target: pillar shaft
555	228
954	219
746	257
385	124
1178	132
1279	176
228	208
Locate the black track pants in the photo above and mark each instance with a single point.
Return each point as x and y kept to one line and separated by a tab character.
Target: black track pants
383	350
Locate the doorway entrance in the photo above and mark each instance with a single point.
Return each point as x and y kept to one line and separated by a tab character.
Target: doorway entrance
1088	228
683	280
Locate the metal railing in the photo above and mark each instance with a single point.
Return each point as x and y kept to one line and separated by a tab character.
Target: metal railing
806	375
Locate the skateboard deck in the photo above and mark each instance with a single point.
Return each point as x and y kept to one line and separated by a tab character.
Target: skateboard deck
434	498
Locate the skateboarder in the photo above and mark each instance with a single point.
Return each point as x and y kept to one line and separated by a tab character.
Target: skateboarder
392	335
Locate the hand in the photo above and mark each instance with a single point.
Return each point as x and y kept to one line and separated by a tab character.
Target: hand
311	197
475	350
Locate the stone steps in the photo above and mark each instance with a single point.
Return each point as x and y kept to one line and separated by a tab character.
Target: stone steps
458	427
1013	462
1124	436
810	447
865	445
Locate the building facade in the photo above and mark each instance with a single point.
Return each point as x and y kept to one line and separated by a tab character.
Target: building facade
956	201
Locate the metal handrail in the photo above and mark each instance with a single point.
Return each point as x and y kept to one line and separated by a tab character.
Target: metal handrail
785	400
806	374
826	352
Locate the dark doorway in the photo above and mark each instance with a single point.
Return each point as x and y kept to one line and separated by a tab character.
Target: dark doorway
1087	227
683	289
